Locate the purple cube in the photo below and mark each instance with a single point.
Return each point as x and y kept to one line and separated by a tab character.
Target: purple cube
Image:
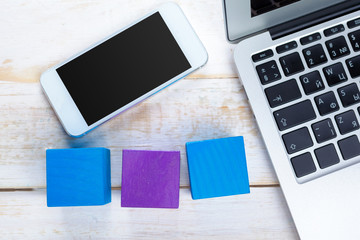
150	179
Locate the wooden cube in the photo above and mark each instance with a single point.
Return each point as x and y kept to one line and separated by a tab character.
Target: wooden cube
150	179
78	177
217	167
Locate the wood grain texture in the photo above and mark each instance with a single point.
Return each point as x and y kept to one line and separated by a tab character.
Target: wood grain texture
260	215
208	104
190	110
40	34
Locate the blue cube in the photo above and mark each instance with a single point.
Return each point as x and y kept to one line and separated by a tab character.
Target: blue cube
217	167
78	177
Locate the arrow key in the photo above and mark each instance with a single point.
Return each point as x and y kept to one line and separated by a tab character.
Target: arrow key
297	140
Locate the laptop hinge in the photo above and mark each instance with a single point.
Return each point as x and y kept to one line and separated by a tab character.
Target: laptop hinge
314	18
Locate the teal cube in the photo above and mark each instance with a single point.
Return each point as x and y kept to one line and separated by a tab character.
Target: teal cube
217	167
78	177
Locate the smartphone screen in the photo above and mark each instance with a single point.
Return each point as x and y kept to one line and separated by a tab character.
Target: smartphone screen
123	68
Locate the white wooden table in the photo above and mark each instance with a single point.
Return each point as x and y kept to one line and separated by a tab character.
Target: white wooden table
210	103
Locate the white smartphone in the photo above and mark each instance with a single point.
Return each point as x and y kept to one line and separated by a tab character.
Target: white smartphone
122	70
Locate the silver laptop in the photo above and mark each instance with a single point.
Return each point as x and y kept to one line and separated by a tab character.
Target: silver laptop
299	62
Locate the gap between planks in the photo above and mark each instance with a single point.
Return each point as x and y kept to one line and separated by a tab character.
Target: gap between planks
119	188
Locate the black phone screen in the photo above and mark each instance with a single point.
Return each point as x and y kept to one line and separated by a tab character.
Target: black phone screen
123	68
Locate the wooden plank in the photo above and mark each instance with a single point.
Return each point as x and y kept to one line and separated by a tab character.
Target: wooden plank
190	110
208	104
262	214
39	34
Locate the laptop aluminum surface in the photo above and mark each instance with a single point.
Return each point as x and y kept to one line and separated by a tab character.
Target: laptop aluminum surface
325	207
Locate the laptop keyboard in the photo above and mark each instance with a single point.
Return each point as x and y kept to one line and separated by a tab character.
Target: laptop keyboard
312	87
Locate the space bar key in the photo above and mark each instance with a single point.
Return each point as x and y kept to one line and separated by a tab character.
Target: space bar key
294	115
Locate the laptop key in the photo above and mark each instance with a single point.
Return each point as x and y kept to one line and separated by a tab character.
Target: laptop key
312	82
263	55
323	130
311	38
286	47
314	56
294	115
349	94
354	23
303	165
326	103
334	30
347	122
327	156
353	65
283	93
297	140
335	74
355	40
268	72
349	147
291	64
337	47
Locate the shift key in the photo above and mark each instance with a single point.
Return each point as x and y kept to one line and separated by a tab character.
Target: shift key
294	115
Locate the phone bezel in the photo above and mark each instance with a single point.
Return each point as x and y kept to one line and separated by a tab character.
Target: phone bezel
63	104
